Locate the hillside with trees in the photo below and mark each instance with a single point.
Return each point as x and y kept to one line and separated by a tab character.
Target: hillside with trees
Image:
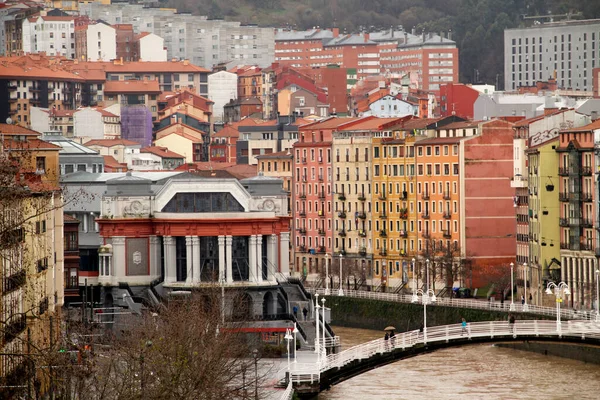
477	25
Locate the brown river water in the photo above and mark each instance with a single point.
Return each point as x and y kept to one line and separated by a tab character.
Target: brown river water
469	372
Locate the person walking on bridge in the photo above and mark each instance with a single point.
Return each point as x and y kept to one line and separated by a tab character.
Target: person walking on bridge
511	323
463	325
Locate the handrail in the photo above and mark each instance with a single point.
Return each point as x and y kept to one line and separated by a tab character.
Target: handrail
501	329
288	394
468	303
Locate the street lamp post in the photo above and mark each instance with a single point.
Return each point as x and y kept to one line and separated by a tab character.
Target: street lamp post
295	331
426	296
317	307
341	291
427	266
327	274
414	284
255	355
560	290
288	337
525	306
512	288
324	348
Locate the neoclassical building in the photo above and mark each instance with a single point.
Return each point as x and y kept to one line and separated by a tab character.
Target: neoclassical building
193	231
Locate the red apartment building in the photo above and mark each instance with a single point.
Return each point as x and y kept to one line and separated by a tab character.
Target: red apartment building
334	79
125	38
312	195
433	57
222	147
457	99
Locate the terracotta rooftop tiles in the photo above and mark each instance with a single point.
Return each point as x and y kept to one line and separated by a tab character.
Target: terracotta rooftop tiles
111	142
227	131
161	152
11	129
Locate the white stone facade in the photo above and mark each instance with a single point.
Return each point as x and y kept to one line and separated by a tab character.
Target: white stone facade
52	35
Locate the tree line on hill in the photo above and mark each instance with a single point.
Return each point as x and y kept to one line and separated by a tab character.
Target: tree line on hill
477	25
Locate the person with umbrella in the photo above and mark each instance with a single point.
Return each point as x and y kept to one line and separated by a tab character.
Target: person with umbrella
391	335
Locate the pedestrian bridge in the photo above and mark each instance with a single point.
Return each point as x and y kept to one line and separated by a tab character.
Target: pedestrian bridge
309	379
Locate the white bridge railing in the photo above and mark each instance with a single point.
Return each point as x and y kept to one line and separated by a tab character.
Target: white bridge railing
565	313
305	373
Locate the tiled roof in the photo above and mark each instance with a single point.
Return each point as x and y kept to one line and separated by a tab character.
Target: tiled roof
443	140
239	171
189	97
329	123
161	152
141	66
589	127
279	155
228	131
27	68
11	129
111	162
370	124
134	86
29	144
461	125
111	142
183	130
69	220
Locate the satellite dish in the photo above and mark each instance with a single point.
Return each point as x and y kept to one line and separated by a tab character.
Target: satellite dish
9	121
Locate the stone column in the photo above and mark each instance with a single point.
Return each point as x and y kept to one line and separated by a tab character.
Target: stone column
189	257
259	263
229	257
563	269
119	260
170	259
272	262
221	241
196	260
154	256
586	286
284	253
252	259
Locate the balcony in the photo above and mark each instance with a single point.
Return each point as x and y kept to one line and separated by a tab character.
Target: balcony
303	213
361	215
11	86
383	216
321	213
342	197
586	171
361	197
383	233
518	181
322	232
587	223
34	89
404	195
14	281
362	251
302	231
403	214
447	215
383	252
586	246
321	249
425	196
563	196
321	195
342	233
302	249
425	215
303	160
362	233
564	246
342	214
586	197
302	195
563	222
382	196
447	234
562	171
403	234
321	178
447	196
426	234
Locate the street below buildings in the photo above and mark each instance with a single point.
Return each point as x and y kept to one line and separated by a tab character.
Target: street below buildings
481	371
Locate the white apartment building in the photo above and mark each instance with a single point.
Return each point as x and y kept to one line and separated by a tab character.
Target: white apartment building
222	87
567	50
100	42
52	35
151	47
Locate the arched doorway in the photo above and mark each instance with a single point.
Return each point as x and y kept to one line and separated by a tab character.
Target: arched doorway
268	305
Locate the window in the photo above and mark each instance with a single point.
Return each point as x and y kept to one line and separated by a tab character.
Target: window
40	165
71	243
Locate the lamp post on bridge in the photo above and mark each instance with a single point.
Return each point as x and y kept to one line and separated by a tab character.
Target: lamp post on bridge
295	331
426	296
525	270
326	274
317	307
414	285
288	337
341	291
560	291
512	287
324	348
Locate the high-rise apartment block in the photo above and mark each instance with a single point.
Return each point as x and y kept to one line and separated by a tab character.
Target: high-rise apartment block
204	42
566	50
